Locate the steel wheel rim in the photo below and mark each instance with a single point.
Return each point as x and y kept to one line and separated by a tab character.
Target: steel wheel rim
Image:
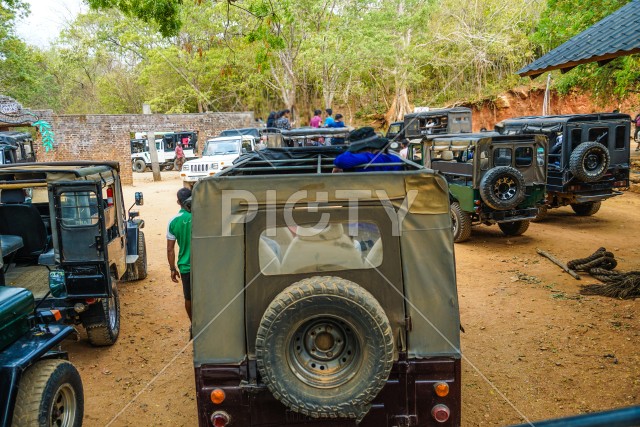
324	352
113	314
505	188
64	407
592	162
454	223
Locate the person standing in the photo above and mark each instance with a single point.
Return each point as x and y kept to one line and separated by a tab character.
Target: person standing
179	230
316	120
179	156
283	120
328	121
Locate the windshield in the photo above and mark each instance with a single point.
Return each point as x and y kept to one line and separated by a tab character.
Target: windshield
393	129
247	131
215	148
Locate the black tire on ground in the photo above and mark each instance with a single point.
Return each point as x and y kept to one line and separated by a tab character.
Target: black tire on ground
460	223
102	319
168	167
589	161
138	270
543	211
139	166
50	394
514	228
502	188
325	348
586	209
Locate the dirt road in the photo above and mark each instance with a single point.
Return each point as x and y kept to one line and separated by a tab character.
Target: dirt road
533	346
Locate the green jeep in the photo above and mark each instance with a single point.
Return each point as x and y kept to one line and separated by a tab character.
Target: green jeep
492	178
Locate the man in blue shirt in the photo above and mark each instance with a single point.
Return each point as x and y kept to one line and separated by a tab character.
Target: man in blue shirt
328	122
366	149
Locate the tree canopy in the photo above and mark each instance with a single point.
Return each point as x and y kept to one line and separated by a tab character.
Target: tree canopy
368	59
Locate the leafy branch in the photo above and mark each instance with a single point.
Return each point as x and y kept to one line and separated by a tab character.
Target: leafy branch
45	130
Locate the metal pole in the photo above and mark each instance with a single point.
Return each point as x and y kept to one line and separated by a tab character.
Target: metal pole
153	152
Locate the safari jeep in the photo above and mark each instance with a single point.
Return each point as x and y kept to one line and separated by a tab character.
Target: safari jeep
589	157
492	178
437	122
16	147
218	154
39	387
166	148
67	221
322	309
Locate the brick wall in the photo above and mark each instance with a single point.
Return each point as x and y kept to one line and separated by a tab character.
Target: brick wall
106	137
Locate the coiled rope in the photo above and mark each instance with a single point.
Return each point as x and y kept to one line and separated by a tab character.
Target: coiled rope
623	285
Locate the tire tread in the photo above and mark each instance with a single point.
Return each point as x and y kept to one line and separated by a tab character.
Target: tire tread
326	286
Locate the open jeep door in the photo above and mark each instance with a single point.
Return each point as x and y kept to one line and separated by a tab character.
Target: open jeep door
79	238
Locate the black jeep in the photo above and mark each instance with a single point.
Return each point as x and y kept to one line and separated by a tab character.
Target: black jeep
588	157
68	221
16	147
38	385
437	122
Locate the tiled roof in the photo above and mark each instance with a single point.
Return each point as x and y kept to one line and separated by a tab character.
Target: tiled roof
616	35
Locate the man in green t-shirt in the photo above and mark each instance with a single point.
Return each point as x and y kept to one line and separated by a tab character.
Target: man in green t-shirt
180	230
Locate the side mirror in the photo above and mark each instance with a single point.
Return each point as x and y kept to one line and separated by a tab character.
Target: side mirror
57	284
139	198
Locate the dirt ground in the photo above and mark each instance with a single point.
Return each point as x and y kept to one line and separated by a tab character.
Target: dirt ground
533	346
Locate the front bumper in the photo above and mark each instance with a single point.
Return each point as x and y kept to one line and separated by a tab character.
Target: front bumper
197	177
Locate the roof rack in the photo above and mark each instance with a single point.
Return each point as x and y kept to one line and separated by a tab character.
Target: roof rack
296	160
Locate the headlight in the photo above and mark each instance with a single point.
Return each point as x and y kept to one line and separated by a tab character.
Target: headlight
185	168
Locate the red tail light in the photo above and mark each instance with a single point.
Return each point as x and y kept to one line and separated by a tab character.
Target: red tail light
220	419
440	413
109	196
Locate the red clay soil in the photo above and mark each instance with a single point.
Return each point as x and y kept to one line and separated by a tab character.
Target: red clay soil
528	102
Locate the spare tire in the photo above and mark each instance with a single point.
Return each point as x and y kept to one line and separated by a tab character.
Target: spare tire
589	161
502	188
325	348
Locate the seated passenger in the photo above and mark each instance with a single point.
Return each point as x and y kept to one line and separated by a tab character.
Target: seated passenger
366	149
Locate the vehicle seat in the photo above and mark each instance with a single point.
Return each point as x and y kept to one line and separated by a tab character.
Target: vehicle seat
23	220
484	161
10	244
314	250
447	155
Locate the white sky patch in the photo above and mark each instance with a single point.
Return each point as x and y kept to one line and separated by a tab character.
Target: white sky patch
47	19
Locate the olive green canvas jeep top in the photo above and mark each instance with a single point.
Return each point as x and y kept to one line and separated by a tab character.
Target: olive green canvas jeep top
319	292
